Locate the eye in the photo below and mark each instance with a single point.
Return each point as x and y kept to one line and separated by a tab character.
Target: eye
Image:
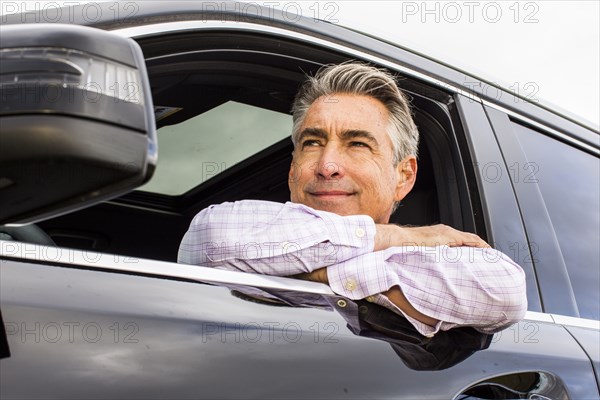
359	144
310	143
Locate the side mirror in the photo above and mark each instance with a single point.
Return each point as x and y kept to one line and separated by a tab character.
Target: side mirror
76	119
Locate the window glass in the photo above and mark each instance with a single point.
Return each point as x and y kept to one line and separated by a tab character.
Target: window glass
195	150
569	181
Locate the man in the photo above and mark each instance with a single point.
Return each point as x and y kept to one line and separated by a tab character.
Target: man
354	160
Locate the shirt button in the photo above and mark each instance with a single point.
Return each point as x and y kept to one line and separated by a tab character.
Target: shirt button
285	245
370	299
363	309
341	303
350	285
359	232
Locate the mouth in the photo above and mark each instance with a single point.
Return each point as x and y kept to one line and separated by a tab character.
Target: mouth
331	194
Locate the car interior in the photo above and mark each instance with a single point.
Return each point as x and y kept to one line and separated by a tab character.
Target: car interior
193	73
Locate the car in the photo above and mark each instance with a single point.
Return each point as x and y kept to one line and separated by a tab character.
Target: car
93	302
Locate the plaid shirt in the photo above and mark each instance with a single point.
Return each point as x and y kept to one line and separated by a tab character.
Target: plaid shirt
459	286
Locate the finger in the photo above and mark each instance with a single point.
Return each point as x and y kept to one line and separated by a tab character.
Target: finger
478	243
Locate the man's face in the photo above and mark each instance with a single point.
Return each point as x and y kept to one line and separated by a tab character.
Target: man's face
343	162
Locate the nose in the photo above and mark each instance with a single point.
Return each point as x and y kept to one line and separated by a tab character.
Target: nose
330	164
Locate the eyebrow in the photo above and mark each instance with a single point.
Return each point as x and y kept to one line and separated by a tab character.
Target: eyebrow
315	132
359	134
347	135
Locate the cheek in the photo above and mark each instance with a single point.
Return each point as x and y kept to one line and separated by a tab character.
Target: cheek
373	173
300	172
382	182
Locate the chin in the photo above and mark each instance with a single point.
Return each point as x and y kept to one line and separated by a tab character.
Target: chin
334	207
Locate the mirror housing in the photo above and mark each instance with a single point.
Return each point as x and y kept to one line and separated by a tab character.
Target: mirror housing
76	120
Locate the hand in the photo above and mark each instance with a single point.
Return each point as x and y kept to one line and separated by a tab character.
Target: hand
431	236
318	275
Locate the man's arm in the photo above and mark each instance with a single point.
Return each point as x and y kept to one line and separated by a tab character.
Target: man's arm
274	238
286	239
435	287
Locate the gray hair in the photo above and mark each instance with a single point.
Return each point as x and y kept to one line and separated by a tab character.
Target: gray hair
362	79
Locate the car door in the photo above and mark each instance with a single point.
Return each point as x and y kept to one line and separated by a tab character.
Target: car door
92	324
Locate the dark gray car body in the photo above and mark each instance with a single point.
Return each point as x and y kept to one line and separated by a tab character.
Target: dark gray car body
85	324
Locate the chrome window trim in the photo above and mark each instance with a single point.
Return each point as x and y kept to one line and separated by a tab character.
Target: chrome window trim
545	128
562	320
63	257
538	317
123	264
574	321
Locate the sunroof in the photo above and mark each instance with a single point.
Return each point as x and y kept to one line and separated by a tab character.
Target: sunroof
200	148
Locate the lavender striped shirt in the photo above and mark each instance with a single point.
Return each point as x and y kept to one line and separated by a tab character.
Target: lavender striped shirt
459	286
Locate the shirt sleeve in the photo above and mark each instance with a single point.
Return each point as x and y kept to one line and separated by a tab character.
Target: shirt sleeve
466	286
274	238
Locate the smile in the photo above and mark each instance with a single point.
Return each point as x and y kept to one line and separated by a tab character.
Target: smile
331	194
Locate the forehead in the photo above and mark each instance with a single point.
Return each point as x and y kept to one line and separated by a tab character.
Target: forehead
347	111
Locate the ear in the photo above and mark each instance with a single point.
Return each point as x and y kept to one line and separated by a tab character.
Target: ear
407	175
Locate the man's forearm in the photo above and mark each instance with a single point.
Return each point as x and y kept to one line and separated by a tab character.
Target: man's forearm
263	237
